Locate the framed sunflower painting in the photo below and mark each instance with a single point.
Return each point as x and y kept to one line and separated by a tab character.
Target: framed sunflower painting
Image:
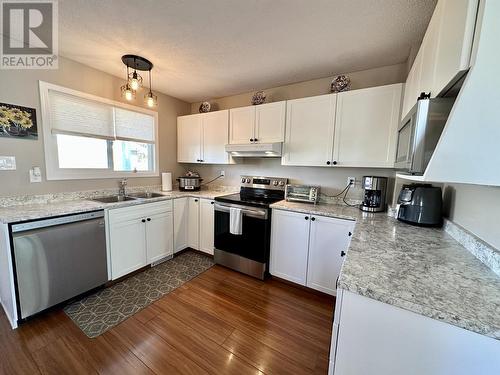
18	122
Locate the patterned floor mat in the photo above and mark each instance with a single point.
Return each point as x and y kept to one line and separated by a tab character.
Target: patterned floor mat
97	313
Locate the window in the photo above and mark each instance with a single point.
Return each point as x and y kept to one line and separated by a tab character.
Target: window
90	137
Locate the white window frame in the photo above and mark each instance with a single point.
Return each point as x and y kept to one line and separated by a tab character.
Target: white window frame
53	172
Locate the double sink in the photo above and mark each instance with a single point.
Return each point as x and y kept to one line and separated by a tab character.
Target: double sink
124	198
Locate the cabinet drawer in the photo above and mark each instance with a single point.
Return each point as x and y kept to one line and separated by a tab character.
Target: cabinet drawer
116	215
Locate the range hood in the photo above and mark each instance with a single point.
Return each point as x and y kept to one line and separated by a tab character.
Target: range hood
255	150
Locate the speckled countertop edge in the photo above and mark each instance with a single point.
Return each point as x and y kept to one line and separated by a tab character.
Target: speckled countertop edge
26	212
423	270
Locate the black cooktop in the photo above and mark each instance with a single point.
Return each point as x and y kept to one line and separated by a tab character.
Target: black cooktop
259	200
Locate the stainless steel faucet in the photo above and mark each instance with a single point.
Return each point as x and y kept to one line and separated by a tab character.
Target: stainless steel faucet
122	184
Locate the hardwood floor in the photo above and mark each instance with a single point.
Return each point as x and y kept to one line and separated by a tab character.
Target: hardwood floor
221	322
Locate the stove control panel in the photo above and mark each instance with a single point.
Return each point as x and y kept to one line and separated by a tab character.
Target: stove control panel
259	182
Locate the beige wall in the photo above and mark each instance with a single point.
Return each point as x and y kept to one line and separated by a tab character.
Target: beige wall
361	79
331	180
21	87
475	208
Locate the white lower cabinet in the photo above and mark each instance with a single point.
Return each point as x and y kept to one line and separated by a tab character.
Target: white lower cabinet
309	249
159	236
193	225
372	337
138	235
329	239
180	224
289	246
207	226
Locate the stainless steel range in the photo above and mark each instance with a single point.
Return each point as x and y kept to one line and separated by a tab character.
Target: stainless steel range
243	225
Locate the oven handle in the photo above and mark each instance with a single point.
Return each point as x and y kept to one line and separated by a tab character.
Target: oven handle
256	213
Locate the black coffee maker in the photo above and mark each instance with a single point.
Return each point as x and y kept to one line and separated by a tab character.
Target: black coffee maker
375	190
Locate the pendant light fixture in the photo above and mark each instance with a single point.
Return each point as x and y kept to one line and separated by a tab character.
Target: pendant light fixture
150	99
134	79
127	92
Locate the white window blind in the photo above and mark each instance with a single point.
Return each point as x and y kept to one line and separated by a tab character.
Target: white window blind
73	115
131	125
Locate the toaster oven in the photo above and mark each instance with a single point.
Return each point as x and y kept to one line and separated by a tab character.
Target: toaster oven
302	193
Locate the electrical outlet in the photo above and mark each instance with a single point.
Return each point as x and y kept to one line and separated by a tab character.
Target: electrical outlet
35	174
223	173
351	181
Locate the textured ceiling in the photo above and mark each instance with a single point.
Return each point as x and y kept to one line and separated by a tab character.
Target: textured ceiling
213	48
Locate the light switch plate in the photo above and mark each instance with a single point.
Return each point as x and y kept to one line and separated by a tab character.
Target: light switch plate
35	174
7	163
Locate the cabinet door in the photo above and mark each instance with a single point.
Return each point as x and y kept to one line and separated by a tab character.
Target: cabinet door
193	223
329	238
128	246
241	125
270	122
180	224
289	245
215	137
159	236
456	33
189	139
412	86
366	126
429	50
309	131
207	226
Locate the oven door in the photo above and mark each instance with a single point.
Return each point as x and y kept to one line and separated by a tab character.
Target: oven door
254	241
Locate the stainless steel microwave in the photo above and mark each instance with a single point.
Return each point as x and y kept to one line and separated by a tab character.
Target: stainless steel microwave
419	132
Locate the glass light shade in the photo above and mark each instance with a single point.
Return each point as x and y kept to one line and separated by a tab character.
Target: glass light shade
134	81
127	92
150	99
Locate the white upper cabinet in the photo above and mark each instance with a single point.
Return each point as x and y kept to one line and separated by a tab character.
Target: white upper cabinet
366	126
214	127
201	138
445	50
270	122
189	138
309	131
264	123
241	125
412	86
428	50
454	44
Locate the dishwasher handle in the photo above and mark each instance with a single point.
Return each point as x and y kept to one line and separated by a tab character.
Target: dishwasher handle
53	221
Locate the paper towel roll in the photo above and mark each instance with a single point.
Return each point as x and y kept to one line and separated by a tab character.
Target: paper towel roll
166	181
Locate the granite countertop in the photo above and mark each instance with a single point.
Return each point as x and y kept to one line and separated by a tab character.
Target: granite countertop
423	270
24	212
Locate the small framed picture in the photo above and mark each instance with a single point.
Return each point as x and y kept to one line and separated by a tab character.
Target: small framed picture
18	122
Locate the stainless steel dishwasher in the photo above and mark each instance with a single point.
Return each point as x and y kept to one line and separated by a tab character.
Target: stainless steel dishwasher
57	259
